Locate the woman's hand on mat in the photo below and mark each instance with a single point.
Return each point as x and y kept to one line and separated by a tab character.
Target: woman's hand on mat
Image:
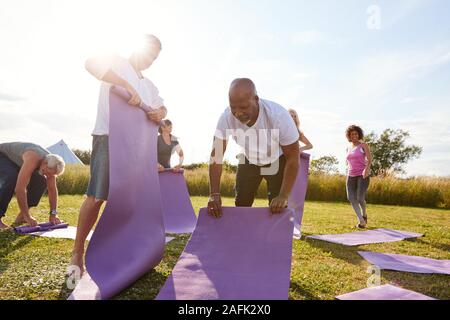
156	115
135	100
215	205
176	169
32	222
54	220
278	204
160	168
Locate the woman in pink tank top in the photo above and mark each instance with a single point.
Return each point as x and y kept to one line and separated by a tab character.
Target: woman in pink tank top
359	160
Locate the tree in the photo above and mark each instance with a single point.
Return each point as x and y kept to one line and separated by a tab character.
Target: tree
390	152
84	156
325	165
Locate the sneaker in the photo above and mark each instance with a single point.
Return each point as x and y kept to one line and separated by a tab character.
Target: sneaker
361	226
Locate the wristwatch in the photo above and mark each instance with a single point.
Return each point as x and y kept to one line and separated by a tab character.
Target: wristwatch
53	212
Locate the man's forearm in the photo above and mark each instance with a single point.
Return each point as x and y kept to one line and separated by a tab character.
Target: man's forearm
21	196
53	199
113	78
215	174
289	177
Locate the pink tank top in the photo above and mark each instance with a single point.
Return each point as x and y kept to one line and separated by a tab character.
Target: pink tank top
356	158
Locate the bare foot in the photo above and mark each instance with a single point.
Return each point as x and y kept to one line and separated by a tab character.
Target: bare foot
78	260
4	227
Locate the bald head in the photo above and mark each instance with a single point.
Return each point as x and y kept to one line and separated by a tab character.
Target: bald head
242	87
244	101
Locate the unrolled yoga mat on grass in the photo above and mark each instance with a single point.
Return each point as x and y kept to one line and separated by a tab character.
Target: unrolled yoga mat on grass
178	213
67	233
385	292
245	255
367	237
298	194
129	238
404	263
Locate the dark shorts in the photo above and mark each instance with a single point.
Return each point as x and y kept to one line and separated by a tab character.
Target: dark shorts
249	177
99	180
9	172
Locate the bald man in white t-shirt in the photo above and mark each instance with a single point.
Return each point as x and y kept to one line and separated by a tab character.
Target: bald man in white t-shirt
126	73
269	138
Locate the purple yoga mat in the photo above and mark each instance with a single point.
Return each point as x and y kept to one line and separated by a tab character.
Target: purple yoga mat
404	263
385	292
40	228
178	213
298	194
129	238
367	237
245	255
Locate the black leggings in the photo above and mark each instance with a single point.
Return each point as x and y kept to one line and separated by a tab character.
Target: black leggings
249	177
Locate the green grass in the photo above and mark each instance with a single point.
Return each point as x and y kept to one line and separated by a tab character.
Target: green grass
34	268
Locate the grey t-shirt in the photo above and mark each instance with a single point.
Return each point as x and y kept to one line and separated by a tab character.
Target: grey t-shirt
165	151
15	150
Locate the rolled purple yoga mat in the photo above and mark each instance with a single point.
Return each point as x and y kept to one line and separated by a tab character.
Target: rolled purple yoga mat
129	238
298	194
245	255
47	226
178	213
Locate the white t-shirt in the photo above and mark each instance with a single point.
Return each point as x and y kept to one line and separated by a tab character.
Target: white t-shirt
262	142
147	91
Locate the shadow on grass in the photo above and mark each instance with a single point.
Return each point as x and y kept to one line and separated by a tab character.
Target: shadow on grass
440	246
10	242
433	285
297	289
346	253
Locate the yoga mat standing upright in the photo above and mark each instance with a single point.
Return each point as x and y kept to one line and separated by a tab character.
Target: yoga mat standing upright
178	213
129	238
298	193
245	255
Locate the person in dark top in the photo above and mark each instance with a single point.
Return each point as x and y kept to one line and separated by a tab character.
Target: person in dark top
28	170
167	145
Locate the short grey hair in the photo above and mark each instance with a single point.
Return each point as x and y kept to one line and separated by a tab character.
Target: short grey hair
55	162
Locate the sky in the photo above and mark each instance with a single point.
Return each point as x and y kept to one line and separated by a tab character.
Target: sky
377	64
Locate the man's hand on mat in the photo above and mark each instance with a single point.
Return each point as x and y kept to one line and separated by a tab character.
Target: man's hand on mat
215	206
32	222
135	100
54	220
156	115
278	204
19	220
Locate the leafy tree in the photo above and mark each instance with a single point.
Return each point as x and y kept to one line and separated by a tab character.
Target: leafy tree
325	165
83	155
390	152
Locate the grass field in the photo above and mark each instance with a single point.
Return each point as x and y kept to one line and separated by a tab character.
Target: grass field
34	268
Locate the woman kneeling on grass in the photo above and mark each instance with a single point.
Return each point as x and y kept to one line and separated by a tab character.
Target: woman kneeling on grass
359	160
